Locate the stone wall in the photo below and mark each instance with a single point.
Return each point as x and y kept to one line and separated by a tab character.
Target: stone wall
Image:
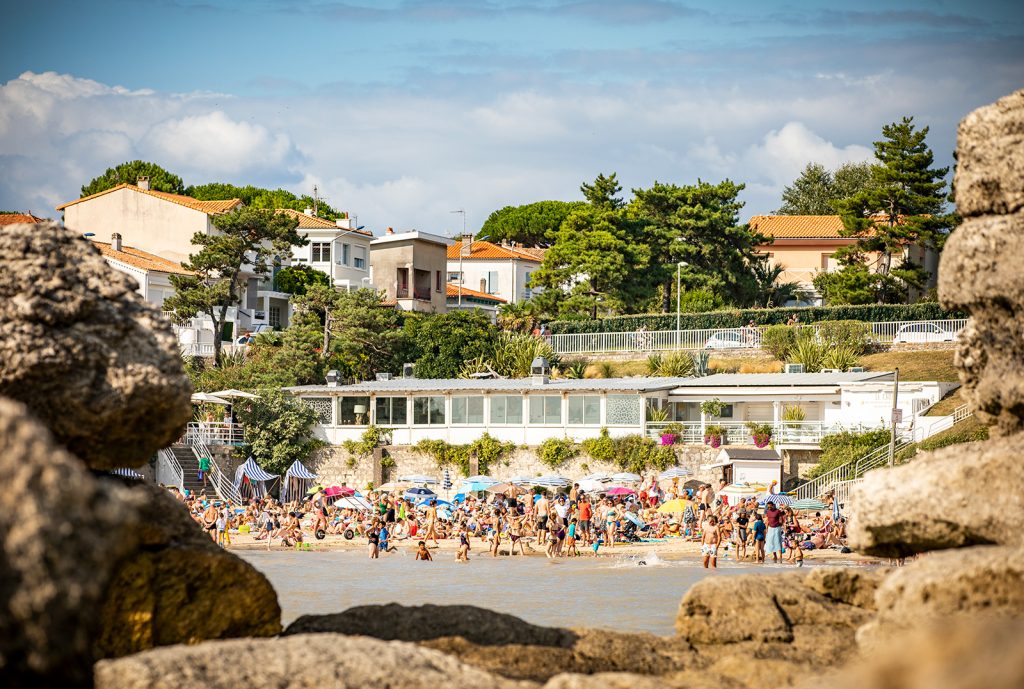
334	466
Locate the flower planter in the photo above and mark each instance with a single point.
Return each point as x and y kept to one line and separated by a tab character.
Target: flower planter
713	440
762	440
668	438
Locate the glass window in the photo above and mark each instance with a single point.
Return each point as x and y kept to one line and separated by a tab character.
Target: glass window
545	410
320	252
428	411
455	277
585	410
346	252
392	411
354	411
507	409
492	282
623	410
360	258
469	410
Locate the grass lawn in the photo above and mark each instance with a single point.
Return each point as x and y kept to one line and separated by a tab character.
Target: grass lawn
947	404
928	364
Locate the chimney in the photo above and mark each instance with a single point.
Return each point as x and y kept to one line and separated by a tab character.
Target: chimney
115	241
408	371
308	211
540	369
467	245
143	183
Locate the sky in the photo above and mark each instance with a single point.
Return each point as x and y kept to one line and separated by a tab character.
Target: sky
401	111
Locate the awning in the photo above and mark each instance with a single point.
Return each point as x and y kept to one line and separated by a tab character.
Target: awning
125	472
253	472
299	470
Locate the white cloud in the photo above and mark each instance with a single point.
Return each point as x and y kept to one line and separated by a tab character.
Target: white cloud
783	153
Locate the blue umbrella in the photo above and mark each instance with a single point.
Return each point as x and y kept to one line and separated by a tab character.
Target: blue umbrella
778	500
459	497
440	503
633	518
417	494
476	486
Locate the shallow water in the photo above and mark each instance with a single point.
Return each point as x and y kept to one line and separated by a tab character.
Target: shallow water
609	592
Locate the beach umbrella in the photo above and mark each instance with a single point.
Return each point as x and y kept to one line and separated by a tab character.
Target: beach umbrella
778	500
673	506
625	477
425	502
446	482
592	485
444	514
207	398
500	488
809	504
521	480
394	485
476	486
231	393
315	489
479	478
418	478
459	497
601	478
550	481
620	490
353	503
674	472
633	518
419	494
338	491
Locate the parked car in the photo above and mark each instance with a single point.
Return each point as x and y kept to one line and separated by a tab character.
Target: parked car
732	339
915	333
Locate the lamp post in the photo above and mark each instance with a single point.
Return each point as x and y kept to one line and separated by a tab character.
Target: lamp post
679	297
462	238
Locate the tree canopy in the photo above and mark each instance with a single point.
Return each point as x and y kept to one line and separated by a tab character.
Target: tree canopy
258	197
817	191
446	342
534	224
298	278
129	173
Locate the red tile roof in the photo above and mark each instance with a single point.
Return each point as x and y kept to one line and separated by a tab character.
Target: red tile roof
453	293
481	250
798	226
12	218
311	222
140	259
209	207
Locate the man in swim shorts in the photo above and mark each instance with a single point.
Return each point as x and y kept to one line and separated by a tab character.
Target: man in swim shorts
709	543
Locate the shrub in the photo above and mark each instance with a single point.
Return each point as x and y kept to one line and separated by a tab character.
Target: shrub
601	448
368	442
574	368
841	448
654	364
841	357
793	412
487	450
807	351
713	407
700	301
778	340
855	335
738	318
715	435
631	452
761	433
657	414
701	361
605	369
554	452
676	365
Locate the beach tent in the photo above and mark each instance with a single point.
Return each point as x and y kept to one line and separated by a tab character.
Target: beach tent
125	472
297	480
251	479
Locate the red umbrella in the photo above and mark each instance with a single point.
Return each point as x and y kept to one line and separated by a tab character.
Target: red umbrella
336	491
619	490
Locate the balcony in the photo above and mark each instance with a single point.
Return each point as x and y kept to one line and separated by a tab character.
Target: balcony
807	434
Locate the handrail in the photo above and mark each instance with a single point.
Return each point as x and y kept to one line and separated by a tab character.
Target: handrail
783	432
168	471
223	485
217	432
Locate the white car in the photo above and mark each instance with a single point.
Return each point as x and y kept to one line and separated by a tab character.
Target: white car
732	339
916	333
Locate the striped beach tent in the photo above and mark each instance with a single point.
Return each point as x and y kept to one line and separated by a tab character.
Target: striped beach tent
125	472
251	479
297	480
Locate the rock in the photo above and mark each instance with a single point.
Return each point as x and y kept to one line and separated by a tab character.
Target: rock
990	158
302	661
765	609
180	587
986	581
627	680
82	349
396	622
759	672
960	654
845	585
61	531
948	498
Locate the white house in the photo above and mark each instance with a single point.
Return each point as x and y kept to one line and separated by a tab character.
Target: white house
500	270
337	248
151	272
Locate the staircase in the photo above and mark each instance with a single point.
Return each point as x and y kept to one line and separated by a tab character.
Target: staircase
189	463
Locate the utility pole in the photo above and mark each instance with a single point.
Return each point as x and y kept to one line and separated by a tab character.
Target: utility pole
892	440
316	202
462	238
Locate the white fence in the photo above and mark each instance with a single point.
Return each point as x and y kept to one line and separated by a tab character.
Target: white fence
215	433
168	471
738	433
883	333
222	483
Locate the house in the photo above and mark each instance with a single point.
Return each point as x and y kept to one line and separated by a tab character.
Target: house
13	218
337	248
468	299
150	271
805	245
501	270
408	268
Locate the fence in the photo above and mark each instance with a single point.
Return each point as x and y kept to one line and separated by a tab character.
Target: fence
224	486
736	432
168	471
216	433
749	338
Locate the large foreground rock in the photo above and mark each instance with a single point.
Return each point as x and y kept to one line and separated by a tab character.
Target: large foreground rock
982	582
990	158
180	587
950	498
296	662
82	349
61	532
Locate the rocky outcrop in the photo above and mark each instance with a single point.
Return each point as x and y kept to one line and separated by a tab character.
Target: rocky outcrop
983	582
179	587
83	350
296	662
60	533
990	148
844	585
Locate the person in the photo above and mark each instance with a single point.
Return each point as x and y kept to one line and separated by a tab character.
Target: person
773	517
709	543
210	516
541	508
432	523
204	470
611	520
464	547
373	540
586	512
223	538
740	519
422	553
570	543
384	535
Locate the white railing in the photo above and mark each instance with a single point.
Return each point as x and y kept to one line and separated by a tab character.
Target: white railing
737	432
168	471
941	423
216	433
882	333
224	486
841	492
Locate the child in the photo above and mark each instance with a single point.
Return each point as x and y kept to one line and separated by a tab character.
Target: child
463	554
570	543
384	538
597	544
759	536
422	553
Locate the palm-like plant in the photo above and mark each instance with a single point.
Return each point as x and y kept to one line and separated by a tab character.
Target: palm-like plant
771	292
518	317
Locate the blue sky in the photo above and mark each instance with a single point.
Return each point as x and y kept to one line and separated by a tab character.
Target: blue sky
403	110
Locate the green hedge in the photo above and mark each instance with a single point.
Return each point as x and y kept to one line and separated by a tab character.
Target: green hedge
737	318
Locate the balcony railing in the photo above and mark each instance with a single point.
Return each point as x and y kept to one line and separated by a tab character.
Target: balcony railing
216	433
737	432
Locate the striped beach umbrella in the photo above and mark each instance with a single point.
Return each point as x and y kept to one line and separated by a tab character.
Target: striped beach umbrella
778	500
446	481
675	472
809	504
625	477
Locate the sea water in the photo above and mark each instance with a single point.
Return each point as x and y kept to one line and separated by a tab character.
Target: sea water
634	593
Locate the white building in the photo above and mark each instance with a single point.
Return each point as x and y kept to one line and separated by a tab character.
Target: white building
408	268
151	272
499	270
337	248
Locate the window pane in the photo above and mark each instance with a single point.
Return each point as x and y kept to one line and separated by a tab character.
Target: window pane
382	407
475	409
552	410
399	411
592	410
514	413
536	410
498	409
354	410
420	406
436	411
575	409
623	410
459	410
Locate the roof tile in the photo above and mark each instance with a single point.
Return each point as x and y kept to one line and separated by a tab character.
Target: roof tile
215	207
481	250
140	259
453	292
798	226
312	222
12	218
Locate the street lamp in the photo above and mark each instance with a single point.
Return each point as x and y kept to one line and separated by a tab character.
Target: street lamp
679	296
462	238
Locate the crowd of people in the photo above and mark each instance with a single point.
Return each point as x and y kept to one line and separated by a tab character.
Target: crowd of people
568	523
